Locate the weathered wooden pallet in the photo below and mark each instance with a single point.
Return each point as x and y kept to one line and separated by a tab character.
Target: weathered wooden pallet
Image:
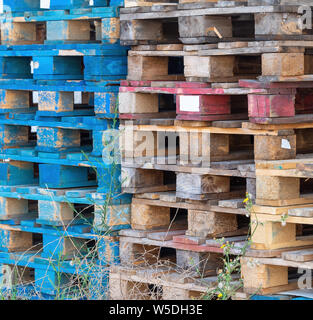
157	284
224	62
201	219
180	253
192	186
270	275
210	22
208	145
292	92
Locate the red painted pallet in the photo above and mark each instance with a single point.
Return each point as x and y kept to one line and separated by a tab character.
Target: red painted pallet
189	101
288	100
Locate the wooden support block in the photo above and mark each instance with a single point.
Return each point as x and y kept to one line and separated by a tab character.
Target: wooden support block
106	103
275	147
147	68
267	235
14	99
203	104
258	276
110	30
187	183
271	24
130	102
283	64
56	246
198	261
13	136
108	217
13	275
140	178
15	240
141	30
68	30
197	147
139	144
52	211
145	217
134	253
17	172
59	67
205	26
10	207
58	176
14	33
57	139
277	188
213	67
210	224
57	101
271	106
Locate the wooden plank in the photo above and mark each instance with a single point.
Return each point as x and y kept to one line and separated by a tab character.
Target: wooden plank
207	11
298	256
164	236
233	203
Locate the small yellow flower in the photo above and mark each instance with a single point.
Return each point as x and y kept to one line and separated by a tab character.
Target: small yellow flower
223	246
246	200
220	295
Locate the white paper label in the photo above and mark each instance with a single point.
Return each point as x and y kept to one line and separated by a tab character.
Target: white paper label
35	97
45	4
91	2
78	97
189	103
285	144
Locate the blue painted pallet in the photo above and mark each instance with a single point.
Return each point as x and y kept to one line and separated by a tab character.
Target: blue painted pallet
30	5
64	67
60	85
105	177
34	15
71	195
59	141
31	155
59	106
62	26
56	207
54	279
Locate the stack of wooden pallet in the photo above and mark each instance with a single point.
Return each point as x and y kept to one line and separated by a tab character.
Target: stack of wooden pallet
214	89
60	201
